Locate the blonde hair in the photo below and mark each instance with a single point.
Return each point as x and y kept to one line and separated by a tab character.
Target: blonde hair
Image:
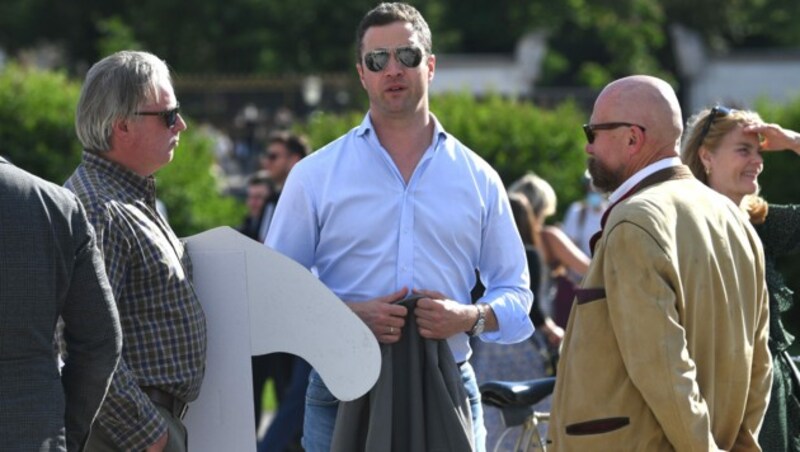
540	194
720	126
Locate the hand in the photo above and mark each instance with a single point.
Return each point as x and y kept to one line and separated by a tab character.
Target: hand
385	319
439	317
160	443
553	332
775	137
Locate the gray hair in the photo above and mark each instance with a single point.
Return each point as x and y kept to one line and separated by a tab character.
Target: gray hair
540	194
114	89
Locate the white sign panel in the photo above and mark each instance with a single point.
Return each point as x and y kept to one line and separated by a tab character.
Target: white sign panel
258	301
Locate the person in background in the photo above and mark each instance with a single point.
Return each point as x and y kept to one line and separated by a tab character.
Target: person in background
582	219
563	260
284	150
723	148
528	359
399	206
128	121
49	267
666	346
288	373
259	188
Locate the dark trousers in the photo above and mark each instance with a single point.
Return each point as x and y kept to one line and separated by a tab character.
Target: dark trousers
275	366
287	425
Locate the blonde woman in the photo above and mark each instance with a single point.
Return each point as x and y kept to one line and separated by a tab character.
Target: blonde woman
723	148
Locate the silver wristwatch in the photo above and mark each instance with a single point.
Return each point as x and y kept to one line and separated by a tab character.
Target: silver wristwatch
480	324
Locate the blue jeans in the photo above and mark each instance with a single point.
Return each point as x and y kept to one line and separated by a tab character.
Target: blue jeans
322	406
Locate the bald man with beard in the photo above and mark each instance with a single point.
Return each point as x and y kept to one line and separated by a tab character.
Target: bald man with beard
666	346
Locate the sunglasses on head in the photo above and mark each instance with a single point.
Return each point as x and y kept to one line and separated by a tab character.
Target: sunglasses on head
717	112
170	116
408	56
588	129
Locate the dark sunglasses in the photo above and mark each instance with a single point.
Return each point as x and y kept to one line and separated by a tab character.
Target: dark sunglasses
717	112
170	116
408	56
589	129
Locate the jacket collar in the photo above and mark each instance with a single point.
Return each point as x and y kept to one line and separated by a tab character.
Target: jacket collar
663	175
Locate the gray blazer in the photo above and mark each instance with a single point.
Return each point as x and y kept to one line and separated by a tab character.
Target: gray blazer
50	266
418	404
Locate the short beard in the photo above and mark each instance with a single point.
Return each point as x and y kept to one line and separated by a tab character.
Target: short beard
603	178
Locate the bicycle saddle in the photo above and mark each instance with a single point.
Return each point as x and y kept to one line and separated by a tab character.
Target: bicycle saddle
503	394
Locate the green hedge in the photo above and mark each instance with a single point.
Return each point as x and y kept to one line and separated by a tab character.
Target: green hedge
37	114
37	133
189	187
516	137
513	136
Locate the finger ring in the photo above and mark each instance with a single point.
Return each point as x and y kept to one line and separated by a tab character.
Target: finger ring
391	330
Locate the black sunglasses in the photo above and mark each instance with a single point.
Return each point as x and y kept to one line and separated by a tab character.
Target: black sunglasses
717	112
170	116
589	129
409	56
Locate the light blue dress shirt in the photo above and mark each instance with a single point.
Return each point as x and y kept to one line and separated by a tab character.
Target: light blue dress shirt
346	211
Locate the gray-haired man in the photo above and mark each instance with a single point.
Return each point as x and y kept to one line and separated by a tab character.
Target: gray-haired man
128	122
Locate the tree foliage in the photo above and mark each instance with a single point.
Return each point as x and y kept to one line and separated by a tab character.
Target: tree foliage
590	42
37	111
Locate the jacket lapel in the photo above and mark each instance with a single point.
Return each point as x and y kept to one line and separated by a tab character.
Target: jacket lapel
664	175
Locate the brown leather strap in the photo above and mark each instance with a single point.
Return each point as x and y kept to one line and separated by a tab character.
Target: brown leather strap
175	405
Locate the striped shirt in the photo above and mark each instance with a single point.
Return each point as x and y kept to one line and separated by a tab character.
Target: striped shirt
164	329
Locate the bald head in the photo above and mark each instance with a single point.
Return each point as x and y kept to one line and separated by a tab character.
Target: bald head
649	102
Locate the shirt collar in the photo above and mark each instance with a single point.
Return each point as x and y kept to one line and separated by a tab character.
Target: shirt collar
132	185
641	174
438	131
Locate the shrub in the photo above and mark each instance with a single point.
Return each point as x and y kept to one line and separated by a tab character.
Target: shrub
189	187
37	133
513	136
37	111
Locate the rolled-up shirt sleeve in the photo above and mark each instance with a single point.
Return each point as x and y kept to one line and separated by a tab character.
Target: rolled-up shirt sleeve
504	272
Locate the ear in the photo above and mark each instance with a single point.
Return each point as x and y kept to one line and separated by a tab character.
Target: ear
360	70
120	125
705	156
121	130
431	67
635	139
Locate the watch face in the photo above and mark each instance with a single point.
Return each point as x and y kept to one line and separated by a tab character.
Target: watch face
479	326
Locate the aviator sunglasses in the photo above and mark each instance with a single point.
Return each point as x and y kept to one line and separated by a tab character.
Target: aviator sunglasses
170	116
588	129
408	56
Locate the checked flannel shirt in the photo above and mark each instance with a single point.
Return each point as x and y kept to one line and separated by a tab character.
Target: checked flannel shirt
164	329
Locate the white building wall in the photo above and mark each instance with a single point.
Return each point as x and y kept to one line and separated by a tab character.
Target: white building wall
742	81
504	80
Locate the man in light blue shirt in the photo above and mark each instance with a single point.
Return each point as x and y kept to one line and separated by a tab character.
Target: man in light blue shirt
397	205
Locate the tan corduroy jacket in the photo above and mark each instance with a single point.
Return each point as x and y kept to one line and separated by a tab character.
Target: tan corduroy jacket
666	345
